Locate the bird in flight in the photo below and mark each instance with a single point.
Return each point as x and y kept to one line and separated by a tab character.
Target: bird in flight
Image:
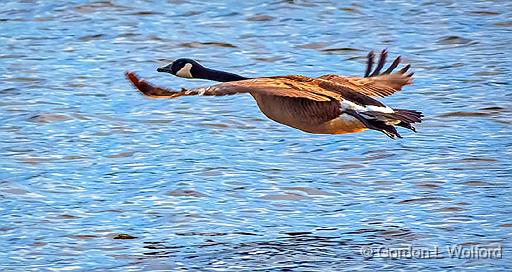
329	104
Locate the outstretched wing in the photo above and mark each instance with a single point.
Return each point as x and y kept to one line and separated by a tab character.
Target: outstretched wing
150	90
375	83
279	86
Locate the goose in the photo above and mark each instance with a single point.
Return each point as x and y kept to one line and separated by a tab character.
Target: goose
329	104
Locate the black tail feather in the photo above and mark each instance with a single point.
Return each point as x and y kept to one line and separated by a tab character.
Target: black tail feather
385	122
410	116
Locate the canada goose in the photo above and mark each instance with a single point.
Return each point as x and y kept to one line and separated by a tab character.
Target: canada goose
329	104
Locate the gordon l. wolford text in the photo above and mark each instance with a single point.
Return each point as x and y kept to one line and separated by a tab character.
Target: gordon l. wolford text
455	251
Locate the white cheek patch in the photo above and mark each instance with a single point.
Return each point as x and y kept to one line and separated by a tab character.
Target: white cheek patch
185	71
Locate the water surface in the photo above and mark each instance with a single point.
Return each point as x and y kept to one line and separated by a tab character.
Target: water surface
203	183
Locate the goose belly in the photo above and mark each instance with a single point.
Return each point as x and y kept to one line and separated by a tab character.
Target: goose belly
345	123
306	115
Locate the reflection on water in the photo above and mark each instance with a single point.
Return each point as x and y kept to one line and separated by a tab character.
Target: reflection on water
94	176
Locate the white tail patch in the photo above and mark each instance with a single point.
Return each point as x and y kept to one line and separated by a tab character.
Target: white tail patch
185	71
345	104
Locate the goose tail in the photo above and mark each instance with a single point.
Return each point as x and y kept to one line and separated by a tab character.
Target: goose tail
385	122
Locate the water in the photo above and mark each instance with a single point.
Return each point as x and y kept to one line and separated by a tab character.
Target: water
206	183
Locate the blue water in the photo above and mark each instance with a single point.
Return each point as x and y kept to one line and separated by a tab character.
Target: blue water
209	183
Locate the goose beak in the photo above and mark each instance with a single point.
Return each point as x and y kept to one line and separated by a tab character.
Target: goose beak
164	69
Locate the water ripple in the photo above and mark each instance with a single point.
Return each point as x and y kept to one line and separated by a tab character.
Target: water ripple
96	177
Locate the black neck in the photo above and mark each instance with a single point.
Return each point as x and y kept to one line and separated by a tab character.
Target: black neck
206	73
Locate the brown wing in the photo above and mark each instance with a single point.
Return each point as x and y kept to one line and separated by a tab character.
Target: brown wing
379	86
278	86
150	90
375	83
342	92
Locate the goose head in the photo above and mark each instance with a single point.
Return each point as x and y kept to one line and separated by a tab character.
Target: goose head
189	68
185	68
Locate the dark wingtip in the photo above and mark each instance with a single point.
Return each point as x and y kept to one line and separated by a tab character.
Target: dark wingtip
393	66
380	64
406	67
369	65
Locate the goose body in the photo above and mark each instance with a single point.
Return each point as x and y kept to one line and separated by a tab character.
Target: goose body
308	116
329	104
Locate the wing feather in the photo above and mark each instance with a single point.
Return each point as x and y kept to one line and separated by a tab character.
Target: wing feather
377	86
375	83
281	86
